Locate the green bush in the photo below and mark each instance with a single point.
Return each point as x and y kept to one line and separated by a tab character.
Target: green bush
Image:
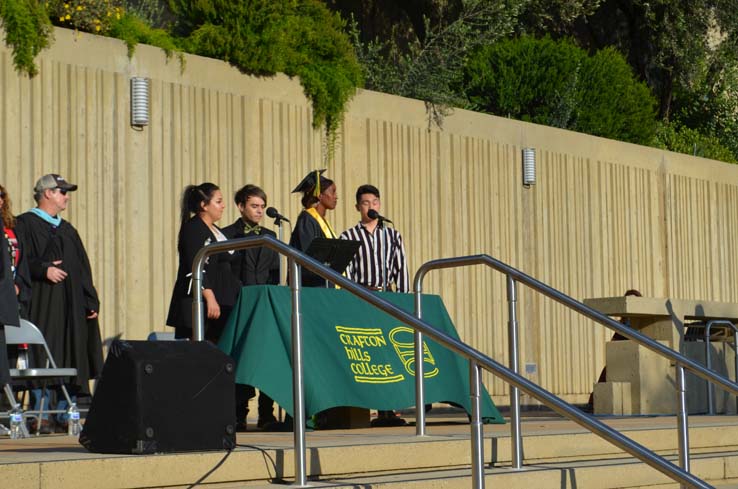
689	141
613	104
263	37
132	30
528	79
27	31
558	84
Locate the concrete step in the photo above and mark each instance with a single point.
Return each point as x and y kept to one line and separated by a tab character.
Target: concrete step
610	474
556	451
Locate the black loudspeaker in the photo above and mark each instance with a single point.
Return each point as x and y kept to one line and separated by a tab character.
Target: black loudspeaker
162	396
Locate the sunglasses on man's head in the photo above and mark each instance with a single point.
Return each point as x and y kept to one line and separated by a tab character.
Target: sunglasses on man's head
62	191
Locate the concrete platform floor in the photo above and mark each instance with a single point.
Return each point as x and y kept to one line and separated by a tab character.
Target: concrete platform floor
441	427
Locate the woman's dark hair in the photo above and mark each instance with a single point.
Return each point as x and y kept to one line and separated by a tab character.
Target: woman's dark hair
6	213
195	197
308	199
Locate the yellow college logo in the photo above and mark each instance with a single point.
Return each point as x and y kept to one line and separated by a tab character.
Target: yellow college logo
403	339
357	344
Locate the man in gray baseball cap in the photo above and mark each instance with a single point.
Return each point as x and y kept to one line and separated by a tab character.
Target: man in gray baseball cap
53	181
64	303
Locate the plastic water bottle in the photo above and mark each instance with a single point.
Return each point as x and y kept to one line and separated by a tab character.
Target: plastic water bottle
73	427
16	424
22	362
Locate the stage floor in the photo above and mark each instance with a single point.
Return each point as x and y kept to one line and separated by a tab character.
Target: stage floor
59	462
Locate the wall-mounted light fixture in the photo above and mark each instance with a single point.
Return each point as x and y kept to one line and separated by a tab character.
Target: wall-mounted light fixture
139	101
529	167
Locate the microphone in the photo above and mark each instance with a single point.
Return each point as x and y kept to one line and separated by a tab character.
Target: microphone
372	214
274	214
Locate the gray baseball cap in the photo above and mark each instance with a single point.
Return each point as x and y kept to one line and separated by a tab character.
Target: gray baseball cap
53	181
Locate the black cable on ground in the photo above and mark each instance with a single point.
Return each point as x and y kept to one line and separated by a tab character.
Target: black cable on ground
207	474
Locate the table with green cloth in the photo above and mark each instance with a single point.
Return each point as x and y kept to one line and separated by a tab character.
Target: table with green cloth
353	353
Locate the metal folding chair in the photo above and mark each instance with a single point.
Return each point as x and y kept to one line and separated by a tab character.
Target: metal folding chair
29	334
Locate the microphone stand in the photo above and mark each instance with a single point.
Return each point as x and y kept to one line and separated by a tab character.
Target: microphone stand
278	223
383	241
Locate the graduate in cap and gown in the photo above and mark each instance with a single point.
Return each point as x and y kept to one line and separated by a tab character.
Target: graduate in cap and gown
318	197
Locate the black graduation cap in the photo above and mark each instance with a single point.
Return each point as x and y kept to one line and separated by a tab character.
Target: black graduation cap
310	182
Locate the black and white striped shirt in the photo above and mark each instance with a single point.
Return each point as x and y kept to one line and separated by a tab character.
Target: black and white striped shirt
366	267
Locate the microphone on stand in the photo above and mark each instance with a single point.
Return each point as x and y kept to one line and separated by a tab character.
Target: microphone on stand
274	214
372	214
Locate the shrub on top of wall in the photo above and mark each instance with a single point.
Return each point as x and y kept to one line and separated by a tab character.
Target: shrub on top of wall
301	38
262	37
27	31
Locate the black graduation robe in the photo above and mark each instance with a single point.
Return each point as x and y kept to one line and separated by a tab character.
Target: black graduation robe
60	310
305	231
193	235
254	266
8	307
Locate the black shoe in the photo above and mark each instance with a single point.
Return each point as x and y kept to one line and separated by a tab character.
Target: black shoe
277	427
387	421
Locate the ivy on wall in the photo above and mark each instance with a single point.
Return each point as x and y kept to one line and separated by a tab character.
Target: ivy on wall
27	31
260	37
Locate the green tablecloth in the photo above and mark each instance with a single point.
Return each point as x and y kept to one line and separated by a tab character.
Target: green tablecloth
353	353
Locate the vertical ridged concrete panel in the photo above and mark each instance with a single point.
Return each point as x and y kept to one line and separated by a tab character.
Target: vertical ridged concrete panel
603	216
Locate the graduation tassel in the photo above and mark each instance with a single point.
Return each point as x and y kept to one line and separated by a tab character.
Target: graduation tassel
316	192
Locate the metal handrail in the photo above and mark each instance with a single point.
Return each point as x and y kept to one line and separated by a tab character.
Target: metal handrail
513	275
476	360
516	439
708	356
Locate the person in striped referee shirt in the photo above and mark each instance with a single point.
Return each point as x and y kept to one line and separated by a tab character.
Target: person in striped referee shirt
382	250
380	262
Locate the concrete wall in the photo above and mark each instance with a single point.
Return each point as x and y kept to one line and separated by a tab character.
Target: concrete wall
604	216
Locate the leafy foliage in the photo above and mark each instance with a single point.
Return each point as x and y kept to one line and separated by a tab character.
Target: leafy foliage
85	15
298	37
540	17
132	30
155	13
558	84
689	141
27	31
429	68
261	37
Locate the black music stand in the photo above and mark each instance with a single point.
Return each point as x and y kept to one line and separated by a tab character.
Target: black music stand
335	253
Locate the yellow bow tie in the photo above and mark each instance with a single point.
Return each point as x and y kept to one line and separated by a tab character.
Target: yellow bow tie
248	228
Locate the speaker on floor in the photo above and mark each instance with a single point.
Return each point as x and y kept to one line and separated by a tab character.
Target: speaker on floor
162	396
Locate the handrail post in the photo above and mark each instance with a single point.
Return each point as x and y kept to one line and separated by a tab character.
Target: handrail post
298	394
419	369
198	312
708	364
708	358
516	449
477	437
682	418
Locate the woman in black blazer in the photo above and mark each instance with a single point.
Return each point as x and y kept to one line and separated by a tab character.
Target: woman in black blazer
202	207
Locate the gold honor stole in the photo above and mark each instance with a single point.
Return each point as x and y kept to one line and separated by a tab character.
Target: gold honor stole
328	231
